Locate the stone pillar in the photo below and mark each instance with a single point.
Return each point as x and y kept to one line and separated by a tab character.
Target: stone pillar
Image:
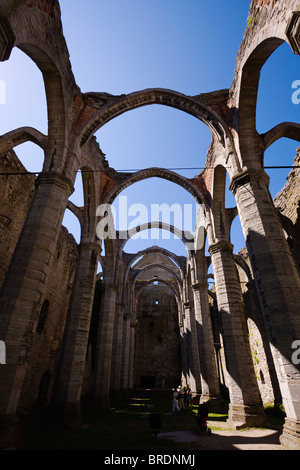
184	376
7	38
131	357
277	282
22	292
191	349
66	401
104	346
210	390
245	408
125	355
115	379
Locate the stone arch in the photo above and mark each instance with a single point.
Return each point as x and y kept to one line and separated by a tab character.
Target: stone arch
21	135
262	47
156	265
291	130
154	249
162	281
55	96
169	175
186	238
110	106
157	249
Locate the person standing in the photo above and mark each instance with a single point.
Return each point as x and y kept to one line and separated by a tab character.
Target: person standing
175	403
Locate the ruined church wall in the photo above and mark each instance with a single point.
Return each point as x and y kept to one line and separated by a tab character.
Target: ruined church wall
157	352
287	203
44	354
16	193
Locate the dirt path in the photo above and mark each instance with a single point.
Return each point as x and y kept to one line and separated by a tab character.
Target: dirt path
252	439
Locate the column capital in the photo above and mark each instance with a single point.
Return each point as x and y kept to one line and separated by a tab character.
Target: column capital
293	32
94	246
220	246
110	285
56	179
199	286
247	176
7	38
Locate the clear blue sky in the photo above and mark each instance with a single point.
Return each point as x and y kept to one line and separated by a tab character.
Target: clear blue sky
120	46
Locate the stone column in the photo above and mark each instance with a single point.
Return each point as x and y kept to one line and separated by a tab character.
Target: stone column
131	356
22	292
277	282
191	349
184	376
210	390
67	394
245	407
115	379
125	355
104	346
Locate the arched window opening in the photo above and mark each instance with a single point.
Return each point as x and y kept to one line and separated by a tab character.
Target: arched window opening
24	106
43	316
156	136
77	197
275	103
274	107
72	224
31	156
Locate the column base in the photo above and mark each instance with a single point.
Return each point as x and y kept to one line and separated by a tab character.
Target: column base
101	402
116	397
216	404
290	438
10	432
68	415
244	416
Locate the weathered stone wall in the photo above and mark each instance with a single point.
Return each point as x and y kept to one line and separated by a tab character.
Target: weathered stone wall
157	352
16	192
44	354
287	201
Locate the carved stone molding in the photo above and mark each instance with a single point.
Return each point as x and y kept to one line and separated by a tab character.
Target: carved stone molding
247	176
220	246
117	105
7	39
293	32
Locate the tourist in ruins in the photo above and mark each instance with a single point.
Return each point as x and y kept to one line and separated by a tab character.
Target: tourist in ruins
175	403
187	396
180	397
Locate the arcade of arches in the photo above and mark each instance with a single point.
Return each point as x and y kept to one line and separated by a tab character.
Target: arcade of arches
159	321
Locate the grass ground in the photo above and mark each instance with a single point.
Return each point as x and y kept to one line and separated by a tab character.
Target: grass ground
124	427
